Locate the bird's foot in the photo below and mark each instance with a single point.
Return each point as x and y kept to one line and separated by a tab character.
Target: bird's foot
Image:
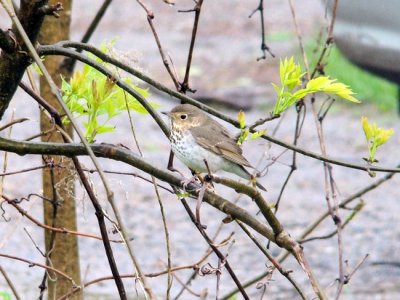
208	181
190	180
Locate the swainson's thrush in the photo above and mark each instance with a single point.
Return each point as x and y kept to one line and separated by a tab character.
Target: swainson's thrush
196	137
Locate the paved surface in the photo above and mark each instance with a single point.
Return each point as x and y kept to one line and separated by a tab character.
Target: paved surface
224	64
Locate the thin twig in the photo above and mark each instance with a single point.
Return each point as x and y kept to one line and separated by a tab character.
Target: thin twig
13	122
99	211
53	50
129	174
301	115
150	275
328	42
33	264
56	92
314	225
184	86
10	283
215	249
299	37
167	240
358	266
69	64
207	253
285	273
356	210
51	228
264	46
150	17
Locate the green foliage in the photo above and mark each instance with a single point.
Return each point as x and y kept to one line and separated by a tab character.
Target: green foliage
36	69
245	131
182	194
289	91
368	87
375	136
92	95
5	296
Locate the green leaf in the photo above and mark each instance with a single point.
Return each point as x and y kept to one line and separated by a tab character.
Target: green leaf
300	94
290	76
375	137
366	127
242	119
318	84
105	128
243	136
257	134
96	97
181	194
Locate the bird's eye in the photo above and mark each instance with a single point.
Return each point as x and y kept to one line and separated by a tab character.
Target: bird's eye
183	117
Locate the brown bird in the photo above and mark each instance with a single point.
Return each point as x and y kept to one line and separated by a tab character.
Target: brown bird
196	137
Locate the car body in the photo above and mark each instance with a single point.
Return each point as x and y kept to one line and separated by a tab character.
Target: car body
368	34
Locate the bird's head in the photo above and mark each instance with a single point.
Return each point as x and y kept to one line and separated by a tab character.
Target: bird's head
186	116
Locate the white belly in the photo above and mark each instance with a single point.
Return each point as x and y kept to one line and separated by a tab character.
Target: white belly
193	156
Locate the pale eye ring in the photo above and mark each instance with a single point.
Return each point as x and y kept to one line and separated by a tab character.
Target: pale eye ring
183	117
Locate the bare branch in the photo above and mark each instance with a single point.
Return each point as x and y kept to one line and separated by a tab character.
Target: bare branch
13	122
264	47
32	264
58	50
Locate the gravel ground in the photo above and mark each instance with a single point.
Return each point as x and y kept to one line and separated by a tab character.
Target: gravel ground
224	65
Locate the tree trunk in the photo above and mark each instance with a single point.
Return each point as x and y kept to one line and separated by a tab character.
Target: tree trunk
58	183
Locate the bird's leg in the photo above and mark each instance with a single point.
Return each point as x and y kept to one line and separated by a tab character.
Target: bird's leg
171	164
209	177
198	205
206	183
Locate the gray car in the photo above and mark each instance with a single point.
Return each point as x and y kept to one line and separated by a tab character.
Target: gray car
368	34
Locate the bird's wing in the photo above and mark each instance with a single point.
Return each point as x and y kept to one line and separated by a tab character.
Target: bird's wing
215	138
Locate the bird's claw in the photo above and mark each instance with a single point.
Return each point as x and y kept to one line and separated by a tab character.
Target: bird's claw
188	181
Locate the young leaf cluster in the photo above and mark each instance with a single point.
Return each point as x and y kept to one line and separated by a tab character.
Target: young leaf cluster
244	131
375	136
95	97
290	91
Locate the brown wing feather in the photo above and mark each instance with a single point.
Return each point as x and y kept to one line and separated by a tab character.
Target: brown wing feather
214	137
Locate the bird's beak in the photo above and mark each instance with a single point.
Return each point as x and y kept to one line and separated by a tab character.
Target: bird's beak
168	114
